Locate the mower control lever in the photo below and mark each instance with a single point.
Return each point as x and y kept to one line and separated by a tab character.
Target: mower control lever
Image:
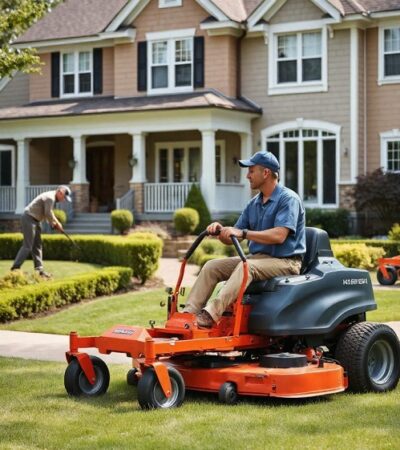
238	247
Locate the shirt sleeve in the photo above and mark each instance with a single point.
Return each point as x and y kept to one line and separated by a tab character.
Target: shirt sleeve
243	221
288	213
48	211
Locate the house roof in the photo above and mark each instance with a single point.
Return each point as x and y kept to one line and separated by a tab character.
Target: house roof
106	105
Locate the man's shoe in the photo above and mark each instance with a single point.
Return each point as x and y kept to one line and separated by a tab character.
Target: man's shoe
204	319
44	274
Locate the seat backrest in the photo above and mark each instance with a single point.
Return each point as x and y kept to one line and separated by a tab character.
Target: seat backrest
317	244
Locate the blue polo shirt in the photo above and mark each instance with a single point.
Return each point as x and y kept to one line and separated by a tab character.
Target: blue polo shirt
283	209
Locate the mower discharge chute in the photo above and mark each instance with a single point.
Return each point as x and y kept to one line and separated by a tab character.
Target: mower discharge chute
292	336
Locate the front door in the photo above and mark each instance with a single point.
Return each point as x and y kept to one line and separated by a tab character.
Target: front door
100	174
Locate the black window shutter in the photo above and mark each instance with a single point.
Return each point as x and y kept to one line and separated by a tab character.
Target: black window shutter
199	61
97	70
55	74
142	66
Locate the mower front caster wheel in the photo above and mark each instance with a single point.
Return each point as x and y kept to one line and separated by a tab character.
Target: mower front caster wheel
392	273
77	384
132	376
150	393
228	394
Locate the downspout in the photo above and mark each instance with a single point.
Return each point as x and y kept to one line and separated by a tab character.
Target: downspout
365	104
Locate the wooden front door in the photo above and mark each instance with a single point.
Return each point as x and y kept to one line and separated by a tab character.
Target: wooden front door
100	174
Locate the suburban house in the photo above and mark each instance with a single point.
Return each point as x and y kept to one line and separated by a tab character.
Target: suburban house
138	99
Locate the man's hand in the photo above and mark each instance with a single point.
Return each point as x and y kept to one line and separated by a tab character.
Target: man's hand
227	232
213	228
58	226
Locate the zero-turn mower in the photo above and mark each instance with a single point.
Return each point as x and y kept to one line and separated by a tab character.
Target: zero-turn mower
291	337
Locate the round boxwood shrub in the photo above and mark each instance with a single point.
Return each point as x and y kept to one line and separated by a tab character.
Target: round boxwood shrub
186	220
122	220
61	216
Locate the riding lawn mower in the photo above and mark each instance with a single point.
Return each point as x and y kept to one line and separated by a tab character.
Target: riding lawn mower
289	337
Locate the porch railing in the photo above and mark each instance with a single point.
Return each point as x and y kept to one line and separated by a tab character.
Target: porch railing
229	197
33	191
165	197
8	198
126	201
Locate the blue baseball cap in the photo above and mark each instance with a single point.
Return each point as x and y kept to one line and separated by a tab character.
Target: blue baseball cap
265	159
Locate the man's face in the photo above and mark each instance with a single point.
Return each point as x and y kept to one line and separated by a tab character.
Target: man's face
60	195
257	175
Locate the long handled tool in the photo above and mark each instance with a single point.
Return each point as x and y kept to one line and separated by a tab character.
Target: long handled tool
71	240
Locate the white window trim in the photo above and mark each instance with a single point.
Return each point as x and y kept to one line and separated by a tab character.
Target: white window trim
7	148
169	4
299	125
185	145
386	137
275	88
76	52
381	56
171	38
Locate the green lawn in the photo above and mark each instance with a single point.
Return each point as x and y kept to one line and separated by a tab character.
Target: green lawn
137	308
59	269
37	413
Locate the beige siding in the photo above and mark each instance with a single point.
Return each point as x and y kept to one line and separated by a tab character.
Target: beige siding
16	92
332	106
39	158
383	106
296	11
108	71
122	170
40	83
125	68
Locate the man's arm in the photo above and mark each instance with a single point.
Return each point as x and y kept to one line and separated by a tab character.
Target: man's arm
50	217
276	235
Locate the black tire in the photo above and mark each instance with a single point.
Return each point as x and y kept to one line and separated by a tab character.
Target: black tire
370	353
132	376
150	394
392	272
77	384
228	393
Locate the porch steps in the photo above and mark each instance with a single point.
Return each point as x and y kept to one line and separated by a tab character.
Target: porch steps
89	223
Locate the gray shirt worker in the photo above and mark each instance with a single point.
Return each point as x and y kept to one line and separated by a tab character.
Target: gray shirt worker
38	210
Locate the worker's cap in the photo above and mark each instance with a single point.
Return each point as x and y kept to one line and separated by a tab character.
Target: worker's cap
264	159
67	191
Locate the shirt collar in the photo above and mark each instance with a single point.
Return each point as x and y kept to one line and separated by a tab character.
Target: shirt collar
274	196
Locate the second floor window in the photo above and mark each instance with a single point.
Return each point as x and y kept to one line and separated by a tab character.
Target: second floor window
76	71
391	52
171	64
393	156
299	58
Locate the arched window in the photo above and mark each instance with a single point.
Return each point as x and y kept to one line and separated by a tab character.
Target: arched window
308	155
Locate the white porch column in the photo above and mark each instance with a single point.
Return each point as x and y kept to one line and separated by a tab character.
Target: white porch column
22	173
246	150
138	159
79	174
207	179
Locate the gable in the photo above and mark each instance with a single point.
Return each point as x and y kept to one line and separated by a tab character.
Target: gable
297	11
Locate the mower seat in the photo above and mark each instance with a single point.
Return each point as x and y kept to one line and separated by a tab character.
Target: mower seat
317	244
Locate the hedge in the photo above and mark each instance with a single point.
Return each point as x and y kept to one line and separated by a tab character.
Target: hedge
139	251
392	248
32	299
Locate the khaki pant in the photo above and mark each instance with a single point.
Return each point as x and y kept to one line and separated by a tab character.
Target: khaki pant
261	267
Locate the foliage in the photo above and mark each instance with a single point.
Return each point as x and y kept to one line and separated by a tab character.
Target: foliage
334	222
229	220
16	16
394	233
122	220
357	255
377	195
17	278
140	251
186	220
391	248
61	216
32	299
196	201
216	249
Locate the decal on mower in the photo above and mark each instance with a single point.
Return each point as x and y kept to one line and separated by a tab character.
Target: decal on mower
353	281
124	331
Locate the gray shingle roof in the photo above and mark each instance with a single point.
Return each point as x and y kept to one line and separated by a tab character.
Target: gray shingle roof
104	105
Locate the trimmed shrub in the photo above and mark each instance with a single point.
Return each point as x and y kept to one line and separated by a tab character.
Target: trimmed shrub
61	216
394	233
334	222
196	201
121	220
229	220
17	278
32	299
205	258
357	255
186	220
140	251
391	248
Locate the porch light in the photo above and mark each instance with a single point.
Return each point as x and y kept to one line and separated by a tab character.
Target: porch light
132	161
72	163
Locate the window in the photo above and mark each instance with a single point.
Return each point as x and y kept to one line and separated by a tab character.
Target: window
308	163
170	61
389	55
297	60
390	150
169	3
6	167
76	70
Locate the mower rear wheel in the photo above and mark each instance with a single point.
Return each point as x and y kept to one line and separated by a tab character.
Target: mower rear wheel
228	393
370	353
392	272
132	376
77	384
150	393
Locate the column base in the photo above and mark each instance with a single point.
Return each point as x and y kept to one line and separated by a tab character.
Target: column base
81	196
138	190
